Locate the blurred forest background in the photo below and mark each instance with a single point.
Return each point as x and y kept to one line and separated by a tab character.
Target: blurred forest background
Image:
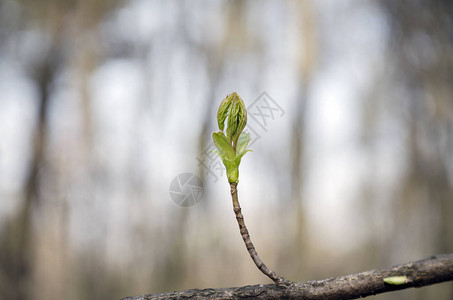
103	103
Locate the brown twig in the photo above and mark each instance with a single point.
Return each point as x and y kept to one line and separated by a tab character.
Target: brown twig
425	272
248	242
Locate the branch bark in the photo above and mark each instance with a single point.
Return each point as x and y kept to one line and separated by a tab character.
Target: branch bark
425	272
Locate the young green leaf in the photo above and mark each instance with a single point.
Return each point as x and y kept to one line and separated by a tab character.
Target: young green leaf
223	145
238	158
223	111
243	142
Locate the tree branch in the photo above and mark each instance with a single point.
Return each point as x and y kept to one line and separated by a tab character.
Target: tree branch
429	271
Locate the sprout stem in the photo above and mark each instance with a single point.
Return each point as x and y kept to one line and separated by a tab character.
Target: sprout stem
248	242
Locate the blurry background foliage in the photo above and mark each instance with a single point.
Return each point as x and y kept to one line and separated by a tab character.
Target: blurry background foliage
103	103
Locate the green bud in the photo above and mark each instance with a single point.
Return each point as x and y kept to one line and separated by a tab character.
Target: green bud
234	108
396	280
232	146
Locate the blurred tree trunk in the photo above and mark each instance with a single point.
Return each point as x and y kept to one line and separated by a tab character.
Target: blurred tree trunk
306	64
17	238
423	52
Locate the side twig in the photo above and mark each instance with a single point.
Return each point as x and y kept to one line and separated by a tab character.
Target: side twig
248	242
